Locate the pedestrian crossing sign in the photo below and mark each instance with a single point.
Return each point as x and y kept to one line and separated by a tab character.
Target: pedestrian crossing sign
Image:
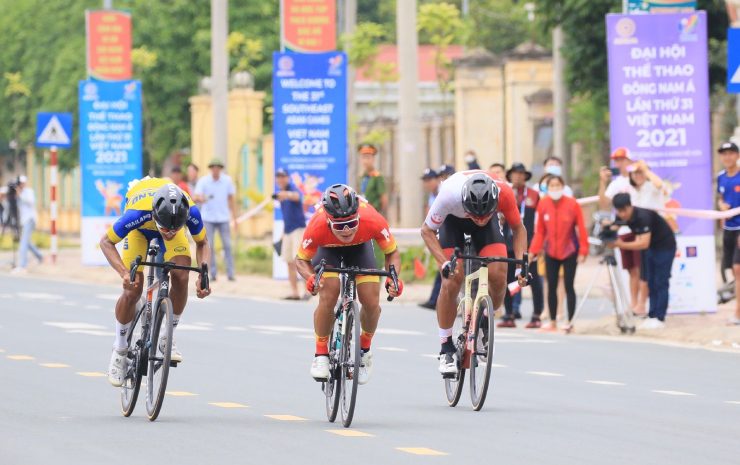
54	129
733	60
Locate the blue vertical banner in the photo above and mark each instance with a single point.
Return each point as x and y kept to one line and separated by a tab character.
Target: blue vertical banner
110	156
310	125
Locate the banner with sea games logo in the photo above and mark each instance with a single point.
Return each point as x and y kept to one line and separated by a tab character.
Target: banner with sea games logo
659	111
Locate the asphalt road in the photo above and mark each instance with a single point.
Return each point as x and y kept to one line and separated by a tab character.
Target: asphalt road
244	395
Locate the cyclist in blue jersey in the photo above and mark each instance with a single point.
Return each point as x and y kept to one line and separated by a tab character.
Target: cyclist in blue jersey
155	209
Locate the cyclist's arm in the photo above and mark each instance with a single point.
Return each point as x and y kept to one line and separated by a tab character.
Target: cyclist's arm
202	251
304	268
114	258
520	240
435	248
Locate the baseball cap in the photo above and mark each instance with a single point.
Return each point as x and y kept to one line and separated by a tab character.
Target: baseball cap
729	145
22	179
446	169
621	152
368	148
281	172
429	173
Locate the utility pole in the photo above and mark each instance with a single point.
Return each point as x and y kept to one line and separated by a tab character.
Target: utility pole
465	8
409	124
220	77
107	4
560	102
350	20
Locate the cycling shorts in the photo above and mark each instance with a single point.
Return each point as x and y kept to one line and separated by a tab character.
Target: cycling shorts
137	243
360	255
487	241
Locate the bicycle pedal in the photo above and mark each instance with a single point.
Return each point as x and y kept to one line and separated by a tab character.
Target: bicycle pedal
449	375
321	380
173	364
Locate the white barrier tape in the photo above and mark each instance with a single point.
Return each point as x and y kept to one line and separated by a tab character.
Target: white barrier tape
251	212
703	214
588	200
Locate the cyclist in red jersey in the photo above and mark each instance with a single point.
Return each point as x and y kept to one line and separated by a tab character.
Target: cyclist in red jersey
466	204
343	228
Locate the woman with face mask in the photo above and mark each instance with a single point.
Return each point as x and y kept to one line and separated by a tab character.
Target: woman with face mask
554	166
562	233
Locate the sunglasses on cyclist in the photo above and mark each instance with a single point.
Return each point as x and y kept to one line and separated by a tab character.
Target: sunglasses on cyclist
480	219
165	230
346	224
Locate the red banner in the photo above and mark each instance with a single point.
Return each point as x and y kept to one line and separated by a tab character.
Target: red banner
309	26
108	44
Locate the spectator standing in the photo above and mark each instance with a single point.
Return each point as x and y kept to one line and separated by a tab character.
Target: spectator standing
499	170
294	224
620	185
654	234
27	218
431	182
554	166
177	179
561	232
192	172
471	159
445	171
372	182
647	193
728	188
215	192
527	199
373	189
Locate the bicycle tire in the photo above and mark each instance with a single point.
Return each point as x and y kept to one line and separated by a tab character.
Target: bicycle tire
482	354
158	362
332	387
454	386
132	381
350	360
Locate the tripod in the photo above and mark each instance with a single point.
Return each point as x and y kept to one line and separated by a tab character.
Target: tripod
11	222
621	307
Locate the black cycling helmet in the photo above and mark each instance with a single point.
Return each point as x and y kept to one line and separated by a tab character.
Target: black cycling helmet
480	195
340	201
170	207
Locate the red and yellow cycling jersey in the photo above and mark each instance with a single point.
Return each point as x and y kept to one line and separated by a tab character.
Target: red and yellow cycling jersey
372	226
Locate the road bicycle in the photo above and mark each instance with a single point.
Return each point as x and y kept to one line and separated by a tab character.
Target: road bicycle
472	332
345	353
151	324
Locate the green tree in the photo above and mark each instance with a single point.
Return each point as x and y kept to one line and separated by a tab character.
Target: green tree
441	23
15	90
245	52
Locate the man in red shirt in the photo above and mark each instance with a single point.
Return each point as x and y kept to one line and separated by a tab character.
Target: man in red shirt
343	227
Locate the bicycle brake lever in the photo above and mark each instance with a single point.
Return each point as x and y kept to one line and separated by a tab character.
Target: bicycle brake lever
205	283
134	267
394	278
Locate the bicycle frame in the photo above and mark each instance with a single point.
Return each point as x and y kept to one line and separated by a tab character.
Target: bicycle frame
482	276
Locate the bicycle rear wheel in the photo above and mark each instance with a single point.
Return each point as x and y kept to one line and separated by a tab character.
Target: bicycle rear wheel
350	359
159	360
333	387
132	382
482	354
453	386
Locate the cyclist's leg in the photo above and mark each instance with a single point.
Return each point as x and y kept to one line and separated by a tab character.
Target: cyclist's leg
133	244
489	241
178	251
368	289
323	317
451	235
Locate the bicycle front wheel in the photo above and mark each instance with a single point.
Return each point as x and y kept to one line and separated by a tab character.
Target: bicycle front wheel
454	386
333	387
349	360
132	382
482	353
159	358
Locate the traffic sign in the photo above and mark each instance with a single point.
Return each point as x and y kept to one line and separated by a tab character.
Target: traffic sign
54	130
733	60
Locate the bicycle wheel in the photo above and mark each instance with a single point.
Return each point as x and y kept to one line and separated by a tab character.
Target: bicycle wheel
453	386
159	360
132	382
332	387
350	359
482	354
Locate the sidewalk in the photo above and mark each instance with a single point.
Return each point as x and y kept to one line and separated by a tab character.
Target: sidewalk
705	330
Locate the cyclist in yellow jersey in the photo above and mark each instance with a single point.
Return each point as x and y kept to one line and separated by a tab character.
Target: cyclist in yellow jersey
155	209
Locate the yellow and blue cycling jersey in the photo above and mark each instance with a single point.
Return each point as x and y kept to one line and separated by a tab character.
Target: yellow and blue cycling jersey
136	226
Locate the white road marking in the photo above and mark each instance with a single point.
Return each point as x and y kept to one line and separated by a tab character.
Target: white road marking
93	307
675	393
398	332
39	296
192	327
93	332
435	356
392	349
235	328
269	332
732	402
202	323
607	383
68	325
496	365
283	329
528	341
6	296
544	373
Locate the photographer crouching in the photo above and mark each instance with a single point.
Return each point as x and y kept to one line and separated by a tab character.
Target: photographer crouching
655	236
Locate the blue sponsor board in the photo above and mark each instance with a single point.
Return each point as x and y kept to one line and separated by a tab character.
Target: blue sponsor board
733	60
110	144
